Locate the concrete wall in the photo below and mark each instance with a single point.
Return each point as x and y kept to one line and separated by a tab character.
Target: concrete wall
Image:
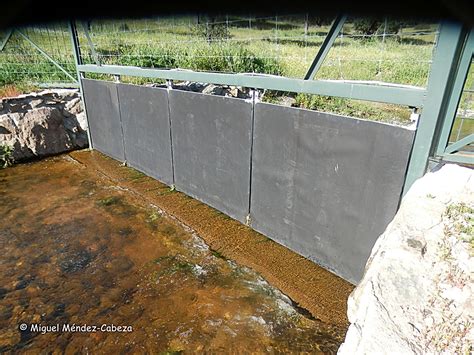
324	185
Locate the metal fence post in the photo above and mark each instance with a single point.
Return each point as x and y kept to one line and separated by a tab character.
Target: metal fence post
445	60
254	98
329	40
169	88
46	55
78	61
5	40
91	44
459	81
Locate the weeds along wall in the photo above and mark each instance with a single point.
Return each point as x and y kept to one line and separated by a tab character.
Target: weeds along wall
323	185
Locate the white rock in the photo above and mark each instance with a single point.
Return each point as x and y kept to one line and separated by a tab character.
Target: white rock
44	123
411	298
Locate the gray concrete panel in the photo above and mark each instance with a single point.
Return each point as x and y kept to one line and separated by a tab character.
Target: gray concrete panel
326	186
211	143
146	130
103	114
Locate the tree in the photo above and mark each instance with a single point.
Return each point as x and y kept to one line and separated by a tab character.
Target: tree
366	26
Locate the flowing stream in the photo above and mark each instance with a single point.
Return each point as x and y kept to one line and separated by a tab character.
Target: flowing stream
78	252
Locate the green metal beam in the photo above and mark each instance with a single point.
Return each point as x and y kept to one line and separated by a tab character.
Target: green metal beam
78	60
91	45
46	55
5	40
467	159
459	144
357	90
333	32
460	79
446	55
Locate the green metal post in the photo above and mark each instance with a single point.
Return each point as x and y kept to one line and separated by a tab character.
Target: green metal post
463	159
460	144
91	44
5	40
334	31
356	90
445	59
78	61
460	79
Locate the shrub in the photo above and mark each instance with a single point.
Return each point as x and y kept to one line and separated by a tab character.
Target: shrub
124	27
371	26
211	32
366	26
215	57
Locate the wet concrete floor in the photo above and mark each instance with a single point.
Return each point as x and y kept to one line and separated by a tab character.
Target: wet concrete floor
77	249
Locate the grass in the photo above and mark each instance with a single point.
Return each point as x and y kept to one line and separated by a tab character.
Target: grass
135	174
361	109
462	217
466	129
264	49
221	57
108	201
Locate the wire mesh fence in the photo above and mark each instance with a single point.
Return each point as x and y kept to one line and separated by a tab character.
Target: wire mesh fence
367	49
24	58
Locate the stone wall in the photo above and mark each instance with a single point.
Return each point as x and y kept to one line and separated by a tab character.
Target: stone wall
417	294
43	123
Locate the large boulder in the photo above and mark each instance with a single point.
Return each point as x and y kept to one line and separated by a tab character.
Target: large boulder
417	294
42	124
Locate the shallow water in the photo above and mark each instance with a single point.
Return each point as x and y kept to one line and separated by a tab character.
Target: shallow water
77	249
